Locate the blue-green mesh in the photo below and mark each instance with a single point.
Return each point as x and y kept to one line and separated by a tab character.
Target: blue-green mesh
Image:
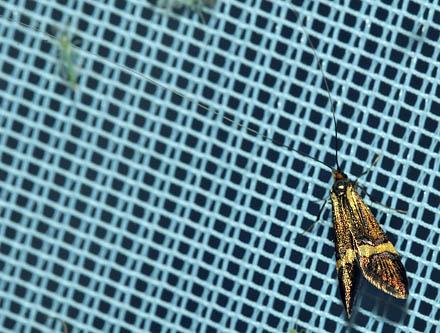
126	208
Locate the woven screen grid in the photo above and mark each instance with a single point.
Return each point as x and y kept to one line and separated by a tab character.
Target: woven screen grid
126	208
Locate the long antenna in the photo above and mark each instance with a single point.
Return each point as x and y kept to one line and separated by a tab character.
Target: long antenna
326	86
165	87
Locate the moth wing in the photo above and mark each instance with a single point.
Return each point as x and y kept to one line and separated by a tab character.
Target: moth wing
378	259
346	267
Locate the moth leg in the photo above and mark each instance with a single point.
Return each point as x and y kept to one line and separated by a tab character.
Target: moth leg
368	170
76	41
379	203
65	329
319	200
365	192
317	218
200	13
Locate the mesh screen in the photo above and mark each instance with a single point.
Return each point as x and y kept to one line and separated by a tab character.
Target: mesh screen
127	208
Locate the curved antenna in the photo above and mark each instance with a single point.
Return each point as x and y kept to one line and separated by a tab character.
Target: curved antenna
190	99
326	86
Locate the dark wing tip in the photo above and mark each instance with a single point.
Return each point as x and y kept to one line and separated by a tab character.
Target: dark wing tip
386	273
348	276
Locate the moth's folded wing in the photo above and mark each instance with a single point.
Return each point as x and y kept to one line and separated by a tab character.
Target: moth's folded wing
378	259
346	266
385	271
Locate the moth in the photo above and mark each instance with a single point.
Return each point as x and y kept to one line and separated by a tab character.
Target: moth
361	246
66	48
66	55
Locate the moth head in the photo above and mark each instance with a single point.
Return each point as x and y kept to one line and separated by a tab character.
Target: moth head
338	175
341	182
